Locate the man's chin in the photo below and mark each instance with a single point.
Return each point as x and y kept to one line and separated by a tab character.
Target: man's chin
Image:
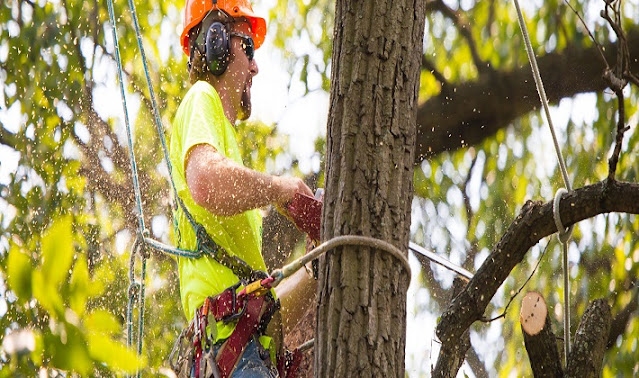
244	115
245	110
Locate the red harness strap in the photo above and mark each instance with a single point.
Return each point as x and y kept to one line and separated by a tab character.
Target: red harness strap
252	311
223	305
229	353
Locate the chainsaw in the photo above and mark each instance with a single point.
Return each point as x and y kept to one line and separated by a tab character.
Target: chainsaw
306	213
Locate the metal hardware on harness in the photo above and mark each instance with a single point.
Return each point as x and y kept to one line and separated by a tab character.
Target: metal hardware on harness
194	348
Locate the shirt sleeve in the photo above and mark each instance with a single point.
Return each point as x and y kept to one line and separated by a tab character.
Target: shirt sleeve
203	121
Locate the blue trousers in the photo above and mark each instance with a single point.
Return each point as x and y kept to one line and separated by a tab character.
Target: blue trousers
255	362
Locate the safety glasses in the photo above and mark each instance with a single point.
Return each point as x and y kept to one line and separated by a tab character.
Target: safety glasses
247	45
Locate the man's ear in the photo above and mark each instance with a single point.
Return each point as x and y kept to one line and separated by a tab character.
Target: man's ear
198	66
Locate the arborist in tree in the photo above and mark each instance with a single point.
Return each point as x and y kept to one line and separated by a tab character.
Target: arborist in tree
229	334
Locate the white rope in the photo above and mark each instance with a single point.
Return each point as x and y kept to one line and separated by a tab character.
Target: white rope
564	234
365	241
542	94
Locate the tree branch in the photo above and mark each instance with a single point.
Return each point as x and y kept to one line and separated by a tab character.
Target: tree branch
478	109
438	293
621	129
539	339
533	223
451	356
464	29
7	138
588	350
476	365
617	79
430	67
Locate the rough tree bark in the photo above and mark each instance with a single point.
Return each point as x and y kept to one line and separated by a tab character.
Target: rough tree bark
361	319
586	356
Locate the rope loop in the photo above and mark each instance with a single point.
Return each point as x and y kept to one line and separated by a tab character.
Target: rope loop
204	242
563	234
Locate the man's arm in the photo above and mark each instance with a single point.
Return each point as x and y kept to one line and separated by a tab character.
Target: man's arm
226	188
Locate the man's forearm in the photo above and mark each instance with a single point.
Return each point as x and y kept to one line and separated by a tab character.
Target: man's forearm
224	187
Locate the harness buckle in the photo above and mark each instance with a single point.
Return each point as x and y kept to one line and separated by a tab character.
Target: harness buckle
238	314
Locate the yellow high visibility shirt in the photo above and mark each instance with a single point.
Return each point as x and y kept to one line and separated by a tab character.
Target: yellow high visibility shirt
200	119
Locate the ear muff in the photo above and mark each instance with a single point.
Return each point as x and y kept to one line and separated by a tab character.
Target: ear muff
217	47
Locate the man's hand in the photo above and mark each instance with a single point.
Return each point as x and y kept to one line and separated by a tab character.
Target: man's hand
286	187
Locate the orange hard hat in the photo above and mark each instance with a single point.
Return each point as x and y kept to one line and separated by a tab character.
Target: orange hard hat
196	10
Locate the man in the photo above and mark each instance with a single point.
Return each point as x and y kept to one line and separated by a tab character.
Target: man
219	192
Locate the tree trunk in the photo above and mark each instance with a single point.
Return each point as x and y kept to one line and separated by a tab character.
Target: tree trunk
361	320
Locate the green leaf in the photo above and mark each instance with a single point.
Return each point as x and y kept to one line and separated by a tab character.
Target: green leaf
102	322
69	351
115	355
57	251
47	295
80	283
19	273
38	351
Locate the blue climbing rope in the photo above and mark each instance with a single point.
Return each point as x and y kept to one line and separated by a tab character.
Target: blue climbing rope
134	170
135	289
156	113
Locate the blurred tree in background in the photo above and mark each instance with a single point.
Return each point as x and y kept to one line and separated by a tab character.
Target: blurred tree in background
483	150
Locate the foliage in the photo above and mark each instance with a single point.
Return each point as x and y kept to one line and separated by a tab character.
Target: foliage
471	195
50	325
72	159
72	173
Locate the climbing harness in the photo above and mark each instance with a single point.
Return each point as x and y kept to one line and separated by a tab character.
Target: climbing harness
563	233
195	355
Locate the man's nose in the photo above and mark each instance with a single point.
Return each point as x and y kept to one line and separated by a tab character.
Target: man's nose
253	67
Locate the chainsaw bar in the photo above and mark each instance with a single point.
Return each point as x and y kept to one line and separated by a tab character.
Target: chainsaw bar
437	259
